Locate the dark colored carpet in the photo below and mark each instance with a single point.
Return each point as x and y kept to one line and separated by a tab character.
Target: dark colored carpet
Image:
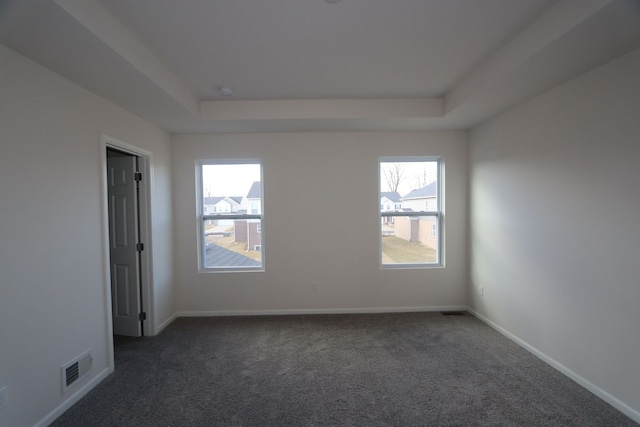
409	369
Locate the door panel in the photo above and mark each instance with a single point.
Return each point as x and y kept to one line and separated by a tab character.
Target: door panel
121	300
123	238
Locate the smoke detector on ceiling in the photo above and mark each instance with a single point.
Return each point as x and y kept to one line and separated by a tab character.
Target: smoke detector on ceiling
225	91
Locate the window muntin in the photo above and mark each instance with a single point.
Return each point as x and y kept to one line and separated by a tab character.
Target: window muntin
410	233
230	211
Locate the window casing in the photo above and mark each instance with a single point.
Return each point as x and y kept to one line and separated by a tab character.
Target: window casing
411	234
231	235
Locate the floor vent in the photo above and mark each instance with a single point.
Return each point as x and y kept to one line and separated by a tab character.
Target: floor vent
453	313
73	371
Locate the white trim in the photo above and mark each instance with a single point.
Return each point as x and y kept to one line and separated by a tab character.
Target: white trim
319	311
602	394
146	269
106	263
201	237
439	212
166	323
73	399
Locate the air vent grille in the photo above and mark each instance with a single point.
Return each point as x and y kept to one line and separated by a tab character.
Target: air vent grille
71	374
73	371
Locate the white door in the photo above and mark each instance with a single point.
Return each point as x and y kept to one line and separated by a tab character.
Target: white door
123	245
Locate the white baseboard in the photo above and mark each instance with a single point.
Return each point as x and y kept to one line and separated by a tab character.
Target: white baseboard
602	394
318	311
73	399
166	323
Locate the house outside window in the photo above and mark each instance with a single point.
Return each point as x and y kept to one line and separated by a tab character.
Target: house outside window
231	235
410	234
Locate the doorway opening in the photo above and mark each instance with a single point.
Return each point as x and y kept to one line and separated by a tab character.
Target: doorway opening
127	241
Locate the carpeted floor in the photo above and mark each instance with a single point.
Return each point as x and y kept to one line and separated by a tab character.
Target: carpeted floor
409	369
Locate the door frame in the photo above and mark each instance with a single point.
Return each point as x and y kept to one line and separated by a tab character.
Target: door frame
146	268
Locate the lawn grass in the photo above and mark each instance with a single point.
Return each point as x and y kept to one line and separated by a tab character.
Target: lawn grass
396	250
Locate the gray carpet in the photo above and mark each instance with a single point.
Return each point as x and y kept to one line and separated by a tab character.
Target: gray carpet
409	369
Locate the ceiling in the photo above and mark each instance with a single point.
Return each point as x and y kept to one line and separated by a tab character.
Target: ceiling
307	65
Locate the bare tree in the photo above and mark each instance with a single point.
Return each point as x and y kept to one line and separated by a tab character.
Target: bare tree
393	174
423	178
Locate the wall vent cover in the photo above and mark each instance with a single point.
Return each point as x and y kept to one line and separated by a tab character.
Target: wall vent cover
71	374
73	371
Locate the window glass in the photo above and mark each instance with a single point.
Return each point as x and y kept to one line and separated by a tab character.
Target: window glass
410	214
231	216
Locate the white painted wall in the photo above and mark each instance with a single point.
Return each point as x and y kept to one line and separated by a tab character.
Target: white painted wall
306	243
52	283
554	229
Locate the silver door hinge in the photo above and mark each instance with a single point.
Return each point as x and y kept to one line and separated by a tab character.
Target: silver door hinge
137	176
139	247
142	316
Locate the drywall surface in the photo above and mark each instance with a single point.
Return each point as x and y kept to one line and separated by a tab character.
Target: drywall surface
555	202
52	278
321	225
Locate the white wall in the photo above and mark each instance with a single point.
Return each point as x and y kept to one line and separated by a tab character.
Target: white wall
306	242
554	229
52	287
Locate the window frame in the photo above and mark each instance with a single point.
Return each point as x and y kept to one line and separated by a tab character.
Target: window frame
202	218
438	214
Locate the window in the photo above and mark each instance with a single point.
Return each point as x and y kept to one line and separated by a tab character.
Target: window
410	235
231	238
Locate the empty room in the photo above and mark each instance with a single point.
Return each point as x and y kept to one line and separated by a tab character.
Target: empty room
319	212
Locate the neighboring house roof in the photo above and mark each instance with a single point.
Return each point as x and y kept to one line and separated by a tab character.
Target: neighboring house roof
423	193
215	200
212	200
255	192
394	196
217	256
